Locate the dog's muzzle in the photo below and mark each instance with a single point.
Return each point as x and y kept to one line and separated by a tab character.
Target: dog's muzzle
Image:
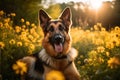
58	39
57	42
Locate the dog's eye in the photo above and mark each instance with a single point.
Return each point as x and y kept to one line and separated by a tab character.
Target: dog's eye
61	28
51	29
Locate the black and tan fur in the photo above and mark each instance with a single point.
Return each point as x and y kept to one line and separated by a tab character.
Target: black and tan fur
57	53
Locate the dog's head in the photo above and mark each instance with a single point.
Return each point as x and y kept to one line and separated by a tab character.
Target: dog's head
57	40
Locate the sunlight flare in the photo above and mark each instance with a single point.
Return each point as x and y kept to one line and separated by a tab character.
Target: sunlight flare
96	4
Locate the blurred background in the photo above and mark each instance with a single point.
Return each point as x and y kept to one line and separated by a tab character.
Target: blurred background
85	12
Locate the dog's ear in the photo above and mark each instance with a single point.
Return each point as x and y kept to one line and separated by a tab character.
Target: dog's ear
44	18
66	17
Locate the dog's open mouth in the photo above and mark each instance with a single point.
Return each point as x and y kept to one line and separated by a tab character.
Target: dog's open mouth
58	42
58	47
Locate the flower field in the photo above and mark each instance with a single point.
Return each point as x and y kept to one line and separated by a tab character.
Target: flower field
99	52
16	41
99	49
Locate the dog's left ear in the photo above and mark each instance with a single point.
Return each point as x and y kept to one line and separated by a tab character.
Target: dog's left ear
66	17
44	18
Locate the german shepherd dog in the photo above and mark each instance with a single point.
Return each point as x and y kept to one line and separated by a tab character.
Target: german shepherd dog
57	53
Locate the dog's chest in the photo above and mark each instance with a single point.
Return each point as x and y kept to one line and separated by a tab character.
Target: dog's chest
60	65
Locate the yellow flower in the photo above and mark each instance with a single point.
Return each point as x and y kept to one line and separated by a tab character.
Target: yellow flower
117	28
20	67
35	35
1	24
22	20
32	30
23	26
55	75
31	47
32	24
96	27
19	44
30	37
91	29
27	23
24	33
81	56
116	42
114	62
86	60
2	45
103	29
107	54
1	13
98	42
109	45
6	25
7	20
101	49
90	60
23	37
93	54
79	62
26	44
17	29
13	14
99	24
12	41
87	31
101	60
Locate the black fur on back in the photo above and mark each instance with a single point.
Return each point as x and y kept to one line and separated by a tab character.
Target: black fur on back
38	64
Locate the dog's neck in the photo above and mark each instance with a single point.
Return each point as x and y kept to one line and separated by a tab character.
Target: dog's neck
61	57
57	62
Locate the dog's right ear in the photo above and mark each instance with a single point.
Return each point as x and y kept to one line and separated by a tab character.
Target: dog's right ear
44	18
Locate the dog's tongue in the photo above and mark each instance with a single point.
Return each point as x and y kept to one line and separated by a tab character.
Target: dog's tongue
58	47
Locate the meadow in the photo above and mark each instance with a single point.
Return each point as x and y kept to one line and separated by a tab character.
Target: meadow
99	49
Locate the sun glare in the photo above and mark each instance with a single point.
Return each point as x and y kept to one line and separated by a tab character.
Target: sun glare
96	4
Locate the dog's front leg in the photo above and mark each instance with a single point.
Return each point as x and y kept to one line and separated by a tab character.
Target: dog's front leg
71	73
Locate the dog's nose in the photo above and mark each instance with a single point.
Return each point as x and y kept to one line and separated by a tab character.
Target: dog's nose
58	38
